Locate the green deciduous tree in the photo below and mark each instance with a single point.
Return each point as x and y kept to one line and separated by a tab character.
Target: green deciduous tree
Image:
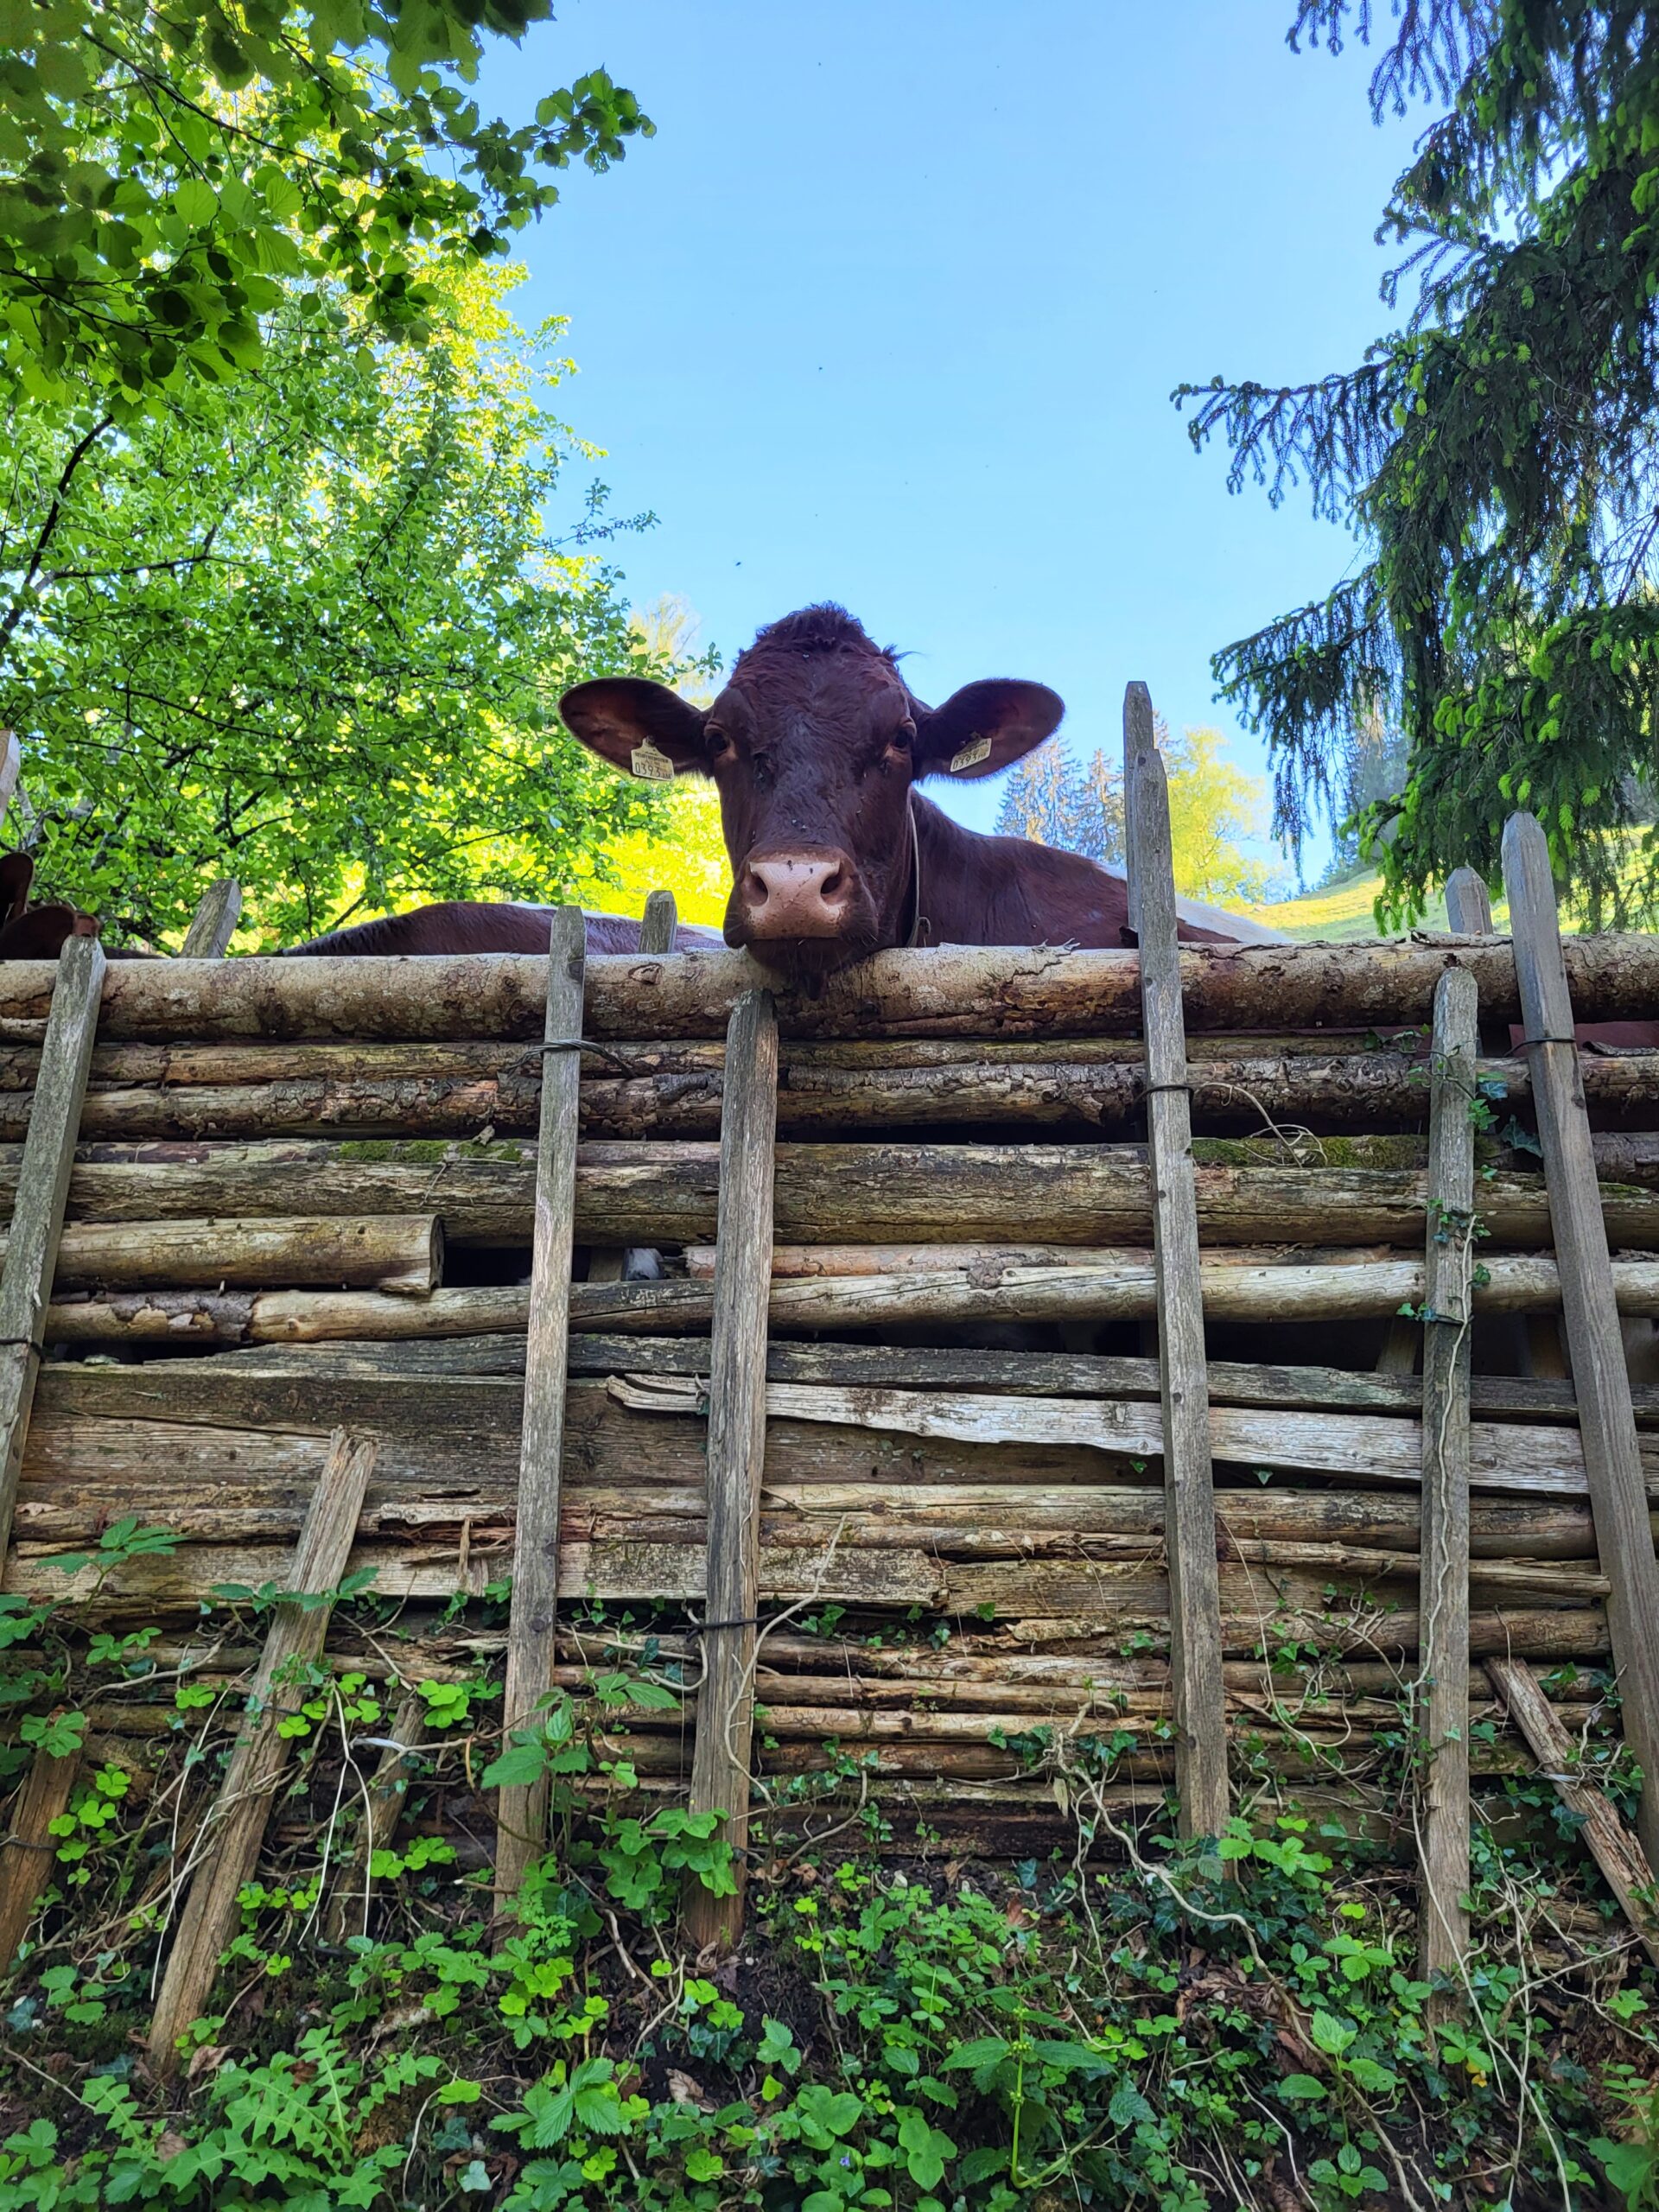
165	170
310	628
1497	456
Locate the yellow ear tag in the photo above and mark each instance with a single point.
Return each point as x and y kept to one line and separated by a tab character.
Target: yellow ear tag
650	765
971	755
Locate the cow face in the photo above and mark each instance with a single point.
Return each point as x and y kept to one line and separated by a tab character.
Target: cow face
813	745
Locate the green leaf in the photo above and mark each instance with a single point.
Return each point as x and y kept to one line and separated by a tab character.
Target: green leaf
196	201
982	2051
1127	2107
1330	2035
519	1767
1374	2079
1297	2086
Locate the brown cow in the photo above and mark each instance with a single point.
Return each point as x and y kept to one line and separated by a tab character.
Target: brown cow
476	925
814	745
35	932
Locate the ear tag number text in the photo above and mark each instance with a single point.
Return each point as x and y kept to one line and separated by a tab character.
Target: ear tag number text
650	765
977	749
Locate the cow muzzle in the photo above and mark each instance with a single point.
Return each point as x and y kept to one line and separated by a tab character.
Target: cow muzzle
795	895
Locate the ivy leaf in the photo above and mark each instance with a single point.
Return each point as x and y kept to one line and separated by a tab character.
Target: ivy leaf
1128	2107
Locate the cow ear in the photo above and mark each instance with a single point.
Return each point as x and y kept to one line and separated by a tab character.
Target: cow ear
641	727
985	727
17	874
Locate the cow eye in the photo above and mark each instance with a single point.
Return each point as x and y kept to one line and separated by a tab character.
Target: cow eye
719	746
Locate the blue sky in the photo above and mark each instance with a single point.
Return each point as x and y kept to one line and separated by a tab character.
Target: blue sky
889	310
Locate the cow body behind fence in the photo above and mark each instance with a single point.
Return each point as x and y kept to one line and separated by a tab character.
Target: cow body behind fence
475	925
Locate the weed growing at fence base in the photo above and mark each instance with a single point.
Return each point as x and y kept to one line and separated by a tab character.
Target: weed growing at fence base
1126	2023
922	2040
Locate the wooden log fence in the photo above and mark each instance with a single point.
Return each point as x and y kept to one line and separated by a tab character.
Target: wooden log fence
268	1167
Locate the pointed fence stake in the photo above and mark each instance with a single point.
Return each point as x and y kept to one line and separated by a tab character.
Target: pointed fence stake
11	767
1189	1488
214	923
227	1850
1468	904
611	1263
522	1809
42	1192
1443	1601
737	1445
28	1857
1613	1462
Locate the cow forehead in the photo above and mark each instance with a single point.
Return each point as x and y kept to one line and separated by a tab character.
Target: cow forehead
807	695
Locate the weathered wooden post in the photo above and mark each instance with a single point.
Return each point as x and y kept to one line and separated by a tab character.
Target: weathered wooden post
11	766
227	1851
42	1192
214	923
522	1810
1190	1516
658	928
737	1445
1468	904
1612	1461
1443	1585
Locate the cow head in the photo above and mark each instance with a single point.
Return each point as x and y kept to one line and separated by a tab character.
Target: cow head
813	745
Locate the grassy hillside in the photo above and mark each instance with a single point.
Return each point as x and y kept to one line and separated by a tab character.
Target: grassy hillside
1343	912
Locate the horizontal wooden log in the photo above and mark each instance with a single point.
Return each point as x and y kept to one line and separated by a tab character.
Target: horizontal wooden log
971	991
666	1194
1286	1742
610	1572
1514	1284
1079	1602
1349	1091
187	1062
921	1368
971	1673
398	1253
222	1486
987	1264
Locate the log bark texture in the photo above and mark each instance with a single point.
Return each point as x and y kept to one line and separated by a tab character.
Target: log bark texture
400	1254
1515	1284
856	1193
951	991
